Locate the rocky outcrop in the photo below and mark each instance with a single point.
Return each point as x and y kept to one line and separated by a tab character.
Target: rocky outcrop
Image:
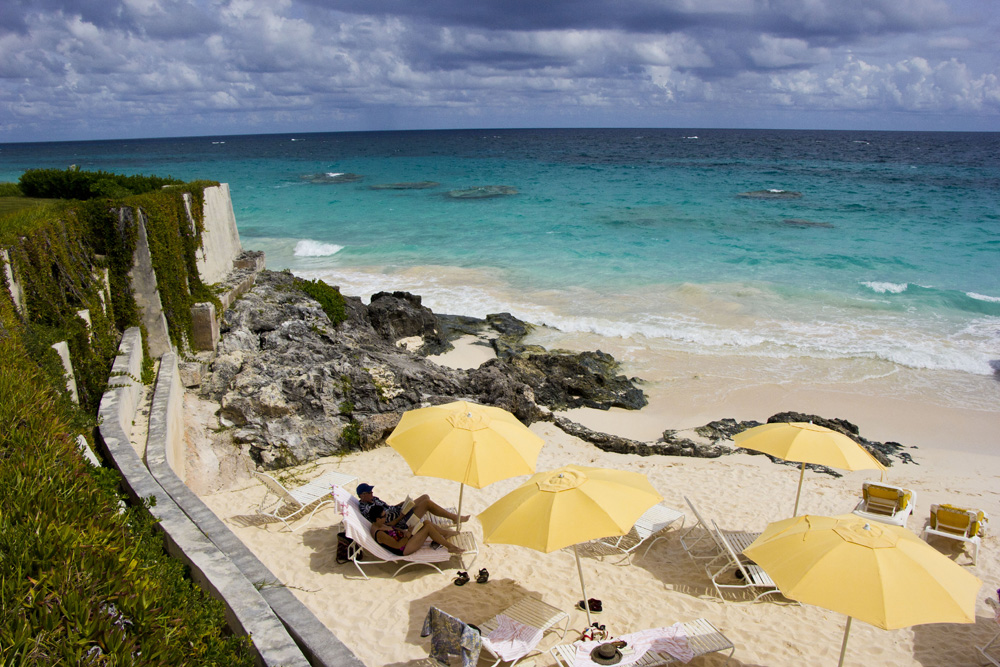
399	315
715	439
482	192
292	387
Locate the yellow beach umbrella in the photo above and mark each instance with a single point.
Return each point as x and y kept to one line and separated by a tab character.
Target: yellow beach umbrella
807	443
883	575
465	442
567	506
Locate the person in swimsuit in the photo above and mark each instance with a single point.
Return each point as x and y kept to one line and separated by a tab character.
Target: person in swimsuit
368	502
400	542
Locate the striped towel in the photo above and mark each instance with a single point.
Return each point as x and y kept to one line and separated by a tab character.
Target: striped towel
511	639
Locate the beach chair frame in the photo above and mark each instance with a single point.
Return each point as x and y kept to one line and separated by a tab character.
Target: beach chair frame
654	521
288	505
957	523
534	613
991	649
740	539
358	529
753	576
877	503
703	638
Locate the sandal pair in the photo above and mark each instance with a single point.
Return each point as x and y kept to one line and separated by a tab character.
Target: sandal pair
463	577
595	605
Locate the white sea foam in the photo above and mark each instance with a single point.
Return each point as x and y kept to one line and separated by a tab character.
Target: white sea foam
309	248
883	287
983	297
334	174
718	320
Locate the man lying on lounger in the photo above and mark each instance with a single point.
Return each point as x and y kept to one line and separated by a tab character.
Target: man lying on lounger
394	513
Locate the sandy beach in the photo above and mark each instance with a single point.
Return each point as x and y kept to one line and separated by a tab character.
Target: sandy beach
380	619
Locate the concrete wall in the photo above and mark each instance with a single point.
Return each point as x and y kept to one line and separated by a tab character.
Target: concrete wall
220	238
246	611
16	293
62	349
147	296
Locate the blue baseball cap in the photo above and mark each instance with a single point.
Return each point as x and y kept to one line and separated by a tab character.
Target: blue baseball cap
364	488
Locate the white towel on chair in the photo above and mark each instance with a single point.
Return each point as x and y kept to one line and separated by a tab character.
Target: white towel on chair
511	639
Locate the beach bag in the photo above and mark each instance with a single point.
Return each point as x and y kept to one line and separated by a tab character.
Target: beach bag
343	542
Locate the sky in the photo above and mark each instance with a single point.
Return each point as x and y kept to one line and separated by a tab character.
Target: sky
102	69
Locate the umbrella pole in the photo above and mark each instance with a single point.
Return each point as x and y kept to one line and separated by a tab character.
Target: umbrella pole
802	474
458	517
843	647
583	586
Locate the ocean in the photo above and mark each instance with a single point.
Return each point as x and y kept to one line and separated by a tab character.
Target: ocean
864	262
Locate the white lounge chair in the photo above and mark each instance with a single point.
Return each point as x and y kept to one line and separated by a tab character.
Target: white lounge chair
530	612
748	575
957	523
702	637
358	529
292	504
655	520
884	503
706	545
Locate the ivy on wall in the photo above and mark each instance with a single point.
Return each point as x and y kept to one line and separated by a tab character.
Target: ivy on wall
57	250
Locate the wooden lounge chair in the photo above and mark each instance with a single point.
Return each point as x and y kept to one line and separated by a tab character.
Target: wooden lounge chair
957	523
704	543
287	505
703	638
884	503
748	575
358	529
528	611
653	521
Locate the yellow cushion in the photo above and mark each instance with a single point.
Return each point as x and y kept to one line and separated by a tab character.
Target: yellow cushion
960	518
900	499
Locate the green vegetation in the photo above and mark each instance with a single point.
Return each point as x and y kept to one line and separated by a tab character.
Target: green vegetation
75	184
82	582
330	298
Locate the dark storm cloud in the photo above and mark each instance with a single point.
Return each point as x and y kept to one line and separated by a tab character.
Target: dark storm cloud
208	66
841	19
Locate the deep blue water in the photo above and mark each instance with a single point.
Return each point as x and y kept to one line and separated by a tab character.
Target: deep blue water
892	252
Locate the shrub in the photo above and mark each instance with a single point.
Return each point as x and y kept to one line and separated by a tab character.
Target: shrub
75	184
10	190
330	299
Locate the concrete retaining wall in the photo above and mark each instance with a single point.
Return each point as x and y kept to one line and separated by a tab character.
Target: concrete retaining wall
246	610
220	238
147	296
16	293
166	434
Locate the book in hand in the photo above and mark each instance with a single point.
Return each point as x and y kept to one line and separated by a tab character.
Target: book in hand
407	518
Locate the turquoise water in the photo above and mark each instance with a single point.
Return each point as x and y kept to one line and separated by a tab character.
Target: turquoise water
889	260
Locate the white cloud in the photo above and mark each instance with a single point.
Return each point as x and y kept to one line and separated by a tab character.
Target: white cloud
261	59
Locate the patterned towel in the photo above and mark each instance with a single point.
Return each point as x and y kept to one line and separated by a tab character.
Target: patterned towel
512	639
671	640
450	636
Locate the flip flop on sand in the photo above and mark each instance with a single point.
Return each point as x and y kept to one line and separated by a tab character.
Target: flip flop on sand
595	606
462	579
483	577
